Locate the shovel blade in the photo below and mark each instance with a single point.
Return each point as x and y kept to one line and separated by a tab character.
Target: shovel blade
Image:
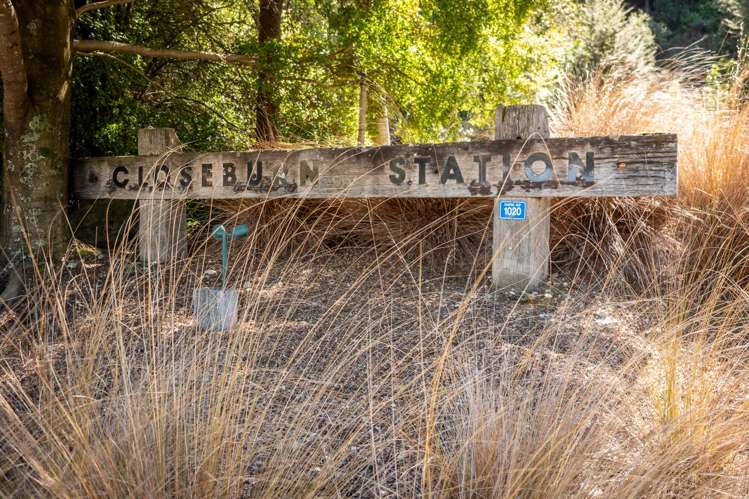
215	309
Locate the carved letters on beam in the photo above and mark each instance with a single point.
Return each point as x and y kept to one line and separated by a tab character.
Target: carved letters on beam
642	165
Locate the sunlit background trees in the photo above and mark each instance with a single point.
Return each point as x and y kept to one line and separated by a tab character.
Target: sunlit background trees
433	69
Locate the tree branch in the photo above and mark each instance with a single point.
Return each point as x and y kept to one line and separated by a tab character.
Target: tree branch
180	55
100	5
12	66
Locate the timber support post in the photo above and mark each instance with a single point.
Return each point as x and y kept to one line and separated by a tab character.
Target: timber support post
162	222
520	243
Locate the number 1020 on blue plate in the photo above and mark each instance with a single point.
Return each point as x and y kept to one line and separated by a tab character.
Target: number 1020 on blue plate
512	210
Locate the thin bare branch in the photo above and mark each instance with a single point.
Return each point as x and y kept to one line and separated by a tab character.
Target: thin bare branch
12	66
100	5
180	55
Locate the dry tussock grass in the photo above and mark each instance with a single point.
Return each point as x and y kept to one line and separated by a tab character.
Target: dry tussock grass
713	171
371	378
530	432
452	230
619	235
369	371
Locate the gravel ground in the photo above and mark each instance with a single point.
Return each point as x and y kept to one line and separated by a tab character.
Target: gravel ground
339	356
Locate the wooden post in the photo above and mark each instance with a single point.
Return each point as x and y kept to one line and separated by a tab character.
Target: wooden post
162	224
521	247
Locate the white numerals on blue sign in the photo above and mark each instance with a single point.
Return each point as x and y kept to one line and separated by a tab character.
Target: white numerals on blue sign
512	210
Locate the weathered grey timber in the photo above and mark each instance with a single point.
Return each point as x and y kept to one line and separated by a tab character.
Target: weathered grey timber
559	167
521	248
522	171
162	222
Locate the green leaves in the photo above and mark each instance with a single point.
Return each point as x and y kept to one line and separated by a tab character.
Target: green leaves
440	67
437	63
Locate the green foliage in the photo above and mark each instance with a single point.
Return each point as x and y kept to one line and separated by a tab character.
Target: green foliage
605	35
714	25
681	23
439	65
115	95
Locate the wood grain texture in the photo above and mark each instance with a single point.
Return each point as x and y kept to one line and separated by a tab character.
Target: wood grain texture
521	248
622	166
521	122
162	222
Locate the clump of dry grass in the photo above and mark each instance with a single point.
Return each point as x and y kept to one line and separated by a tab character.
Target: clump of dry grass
333	372
715	195
619	234
713	203
612	241
448	230
670	421
694	434
530	431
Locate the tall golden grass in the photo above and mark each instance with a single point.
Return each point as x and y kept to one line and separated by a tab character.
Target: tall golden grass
362	368
712	205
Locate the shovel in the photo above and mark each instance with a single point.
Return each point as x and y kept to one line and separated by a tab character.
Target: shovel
216	309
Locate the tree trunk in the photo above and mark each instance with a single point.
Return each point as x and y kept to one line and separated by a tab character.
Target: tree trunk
266	106
362	136
35	164
383	124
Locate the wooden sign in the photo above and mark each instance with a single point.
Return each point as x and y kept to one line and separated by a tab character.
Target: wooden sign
520	174
558	167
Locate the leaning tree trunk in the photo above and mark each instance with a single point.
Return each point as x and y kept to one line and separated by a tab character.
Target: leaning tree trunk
266	108
37	125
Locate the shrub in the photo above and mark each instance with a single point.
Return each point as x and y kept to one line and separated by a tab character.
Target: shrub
606	36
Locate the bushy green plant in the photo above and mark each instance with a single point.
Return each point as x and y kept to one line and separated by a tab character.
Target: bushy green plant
606	35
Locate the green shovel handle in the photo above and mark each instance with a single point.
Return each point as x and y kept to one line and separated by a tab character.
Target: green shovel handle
220	232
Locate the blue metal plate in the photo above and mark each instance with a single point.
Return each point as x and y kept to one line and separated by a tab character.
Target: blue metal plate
512	210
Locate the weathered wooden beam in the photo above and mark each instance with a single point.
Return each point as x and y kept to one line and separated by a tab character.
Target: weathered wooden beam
589	167
520	243
161	221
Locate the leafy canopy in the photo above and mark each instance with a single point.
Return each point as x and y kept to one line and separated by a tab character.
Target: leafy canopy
439	66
